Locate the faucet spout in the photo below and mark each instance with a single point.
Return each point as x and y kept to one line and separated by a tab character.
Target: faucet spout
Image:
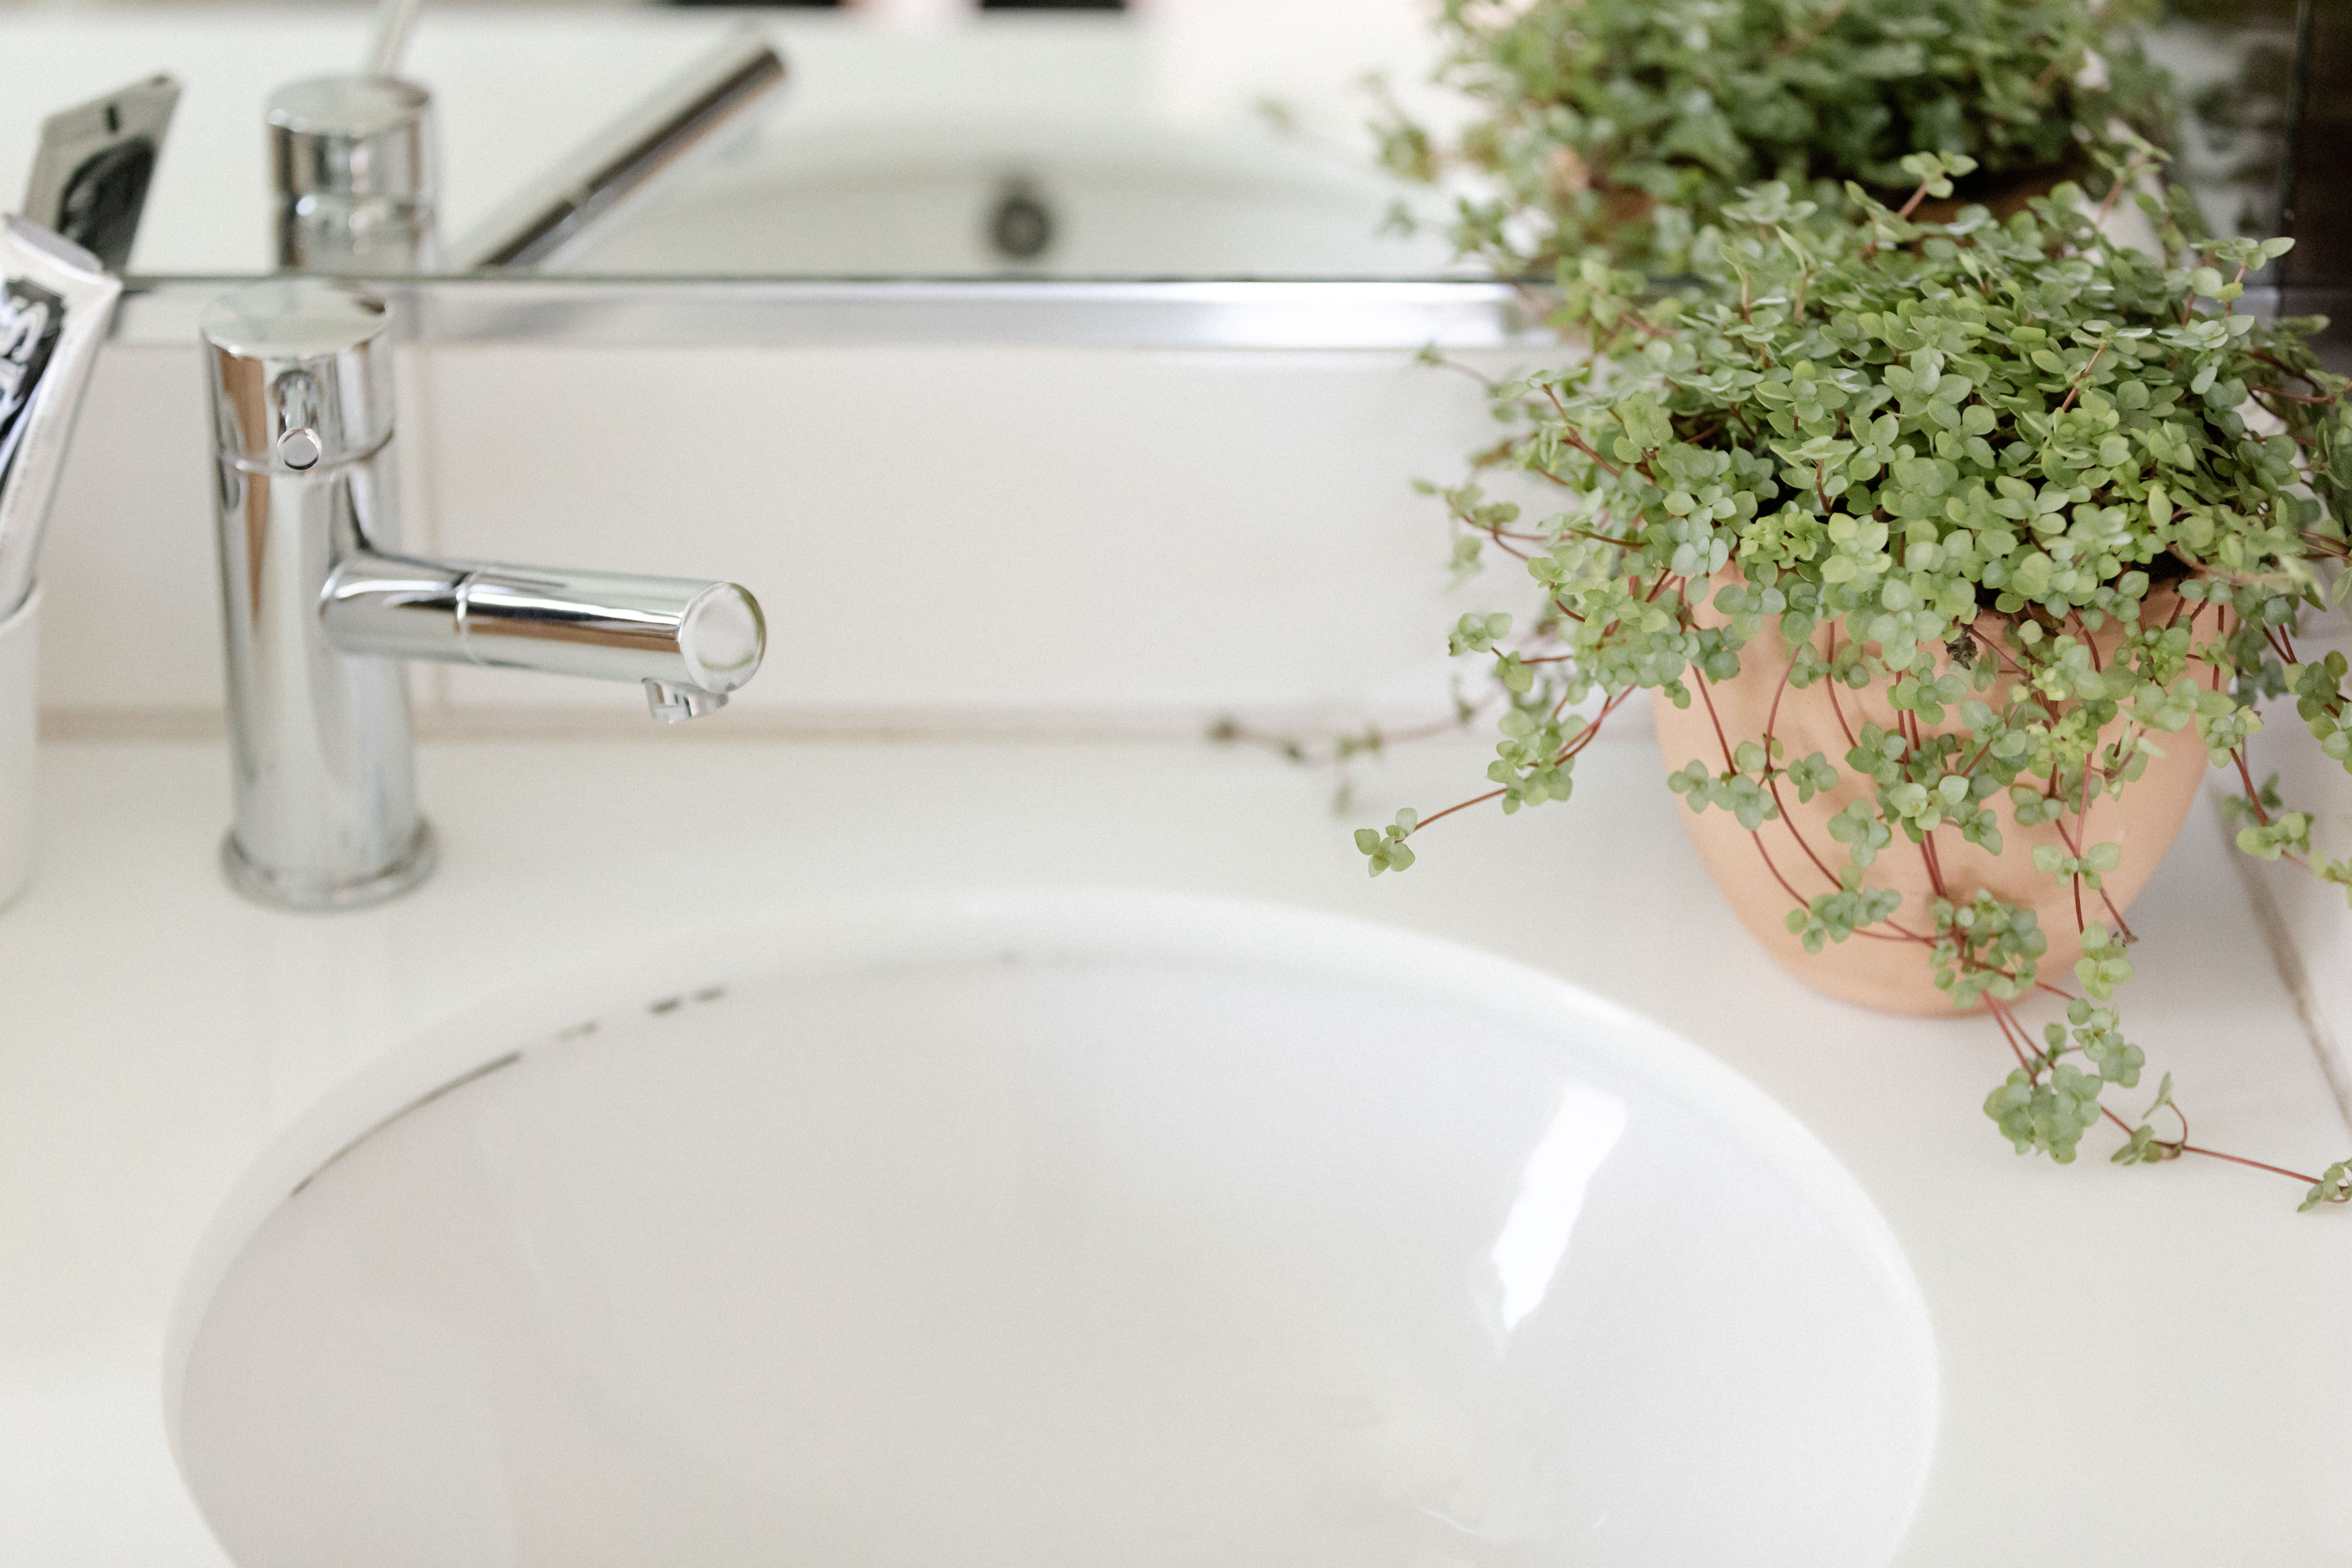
676	704
682	633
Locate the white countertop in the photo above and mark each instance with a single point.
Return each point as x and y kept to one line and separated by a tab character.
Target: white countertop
2140	1366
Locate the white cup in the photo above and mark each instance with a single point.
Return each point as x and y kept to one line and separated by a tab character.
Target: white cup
19	710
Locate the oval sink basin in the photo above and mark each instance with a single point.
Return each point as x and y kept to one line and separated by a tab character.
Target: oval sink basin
1052	1229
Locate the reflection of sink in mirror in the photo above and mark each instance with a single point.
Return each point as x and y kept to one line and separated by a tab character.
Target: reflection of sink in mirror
961	197
1146	140
1053	1229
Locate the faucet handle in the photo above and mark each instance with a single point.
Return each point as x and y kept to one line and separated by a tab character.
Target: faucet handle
302	374
299	447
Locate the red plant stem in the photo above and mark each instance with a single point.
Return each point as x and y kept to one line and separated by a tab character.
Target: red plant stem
1708	698
2000	1011
1458	805
1829	688
2076	849
1572	749
1786	887
1935	867
1471	371
2084	375
1772	717
1568	433
2253	795
2242	1160
1772	781
2089	646
1994	648
2010	1032
1899	934
1592	731
1244	734
1756	835
2124	181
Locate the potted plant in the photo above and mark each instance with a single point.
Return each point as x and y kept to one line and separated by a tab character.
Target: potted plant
1626	126
1952	553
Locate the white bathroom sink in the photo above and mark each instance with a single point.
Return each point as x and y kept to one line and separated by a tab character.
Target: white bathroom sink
1060	1229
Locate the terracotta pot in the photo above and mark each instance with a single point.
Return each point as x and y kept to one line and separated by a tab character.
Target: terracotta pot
1895	976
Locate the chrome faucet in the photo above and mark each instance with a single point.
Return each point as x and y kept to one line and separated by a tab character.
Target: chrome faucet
321	606
353	164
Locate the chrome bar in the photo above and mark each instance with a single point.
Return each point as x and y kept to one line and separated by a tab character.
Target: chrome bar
653	143
1385	314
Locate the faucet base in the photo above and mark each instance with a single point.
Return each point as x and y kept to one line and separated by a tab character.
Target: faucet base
280	892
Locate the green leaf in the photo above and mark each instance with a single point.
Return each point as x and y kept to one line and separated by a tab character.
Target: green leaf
2334	1186
1385	848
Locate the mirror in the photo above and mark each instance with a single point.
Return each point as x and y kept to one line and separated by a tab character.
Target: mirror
1200	141
926	139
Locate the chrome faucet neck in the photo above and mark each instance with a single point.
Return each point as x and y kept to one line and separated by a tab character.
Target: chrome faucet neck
355	168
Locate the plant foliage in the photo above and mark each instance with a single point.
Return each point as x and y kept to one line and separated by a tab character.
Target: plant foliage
1631	124
1964	449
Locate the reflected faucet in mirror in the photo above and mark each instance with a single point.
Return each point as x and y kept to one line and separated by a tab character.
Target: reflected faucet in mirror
354	164
321	606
